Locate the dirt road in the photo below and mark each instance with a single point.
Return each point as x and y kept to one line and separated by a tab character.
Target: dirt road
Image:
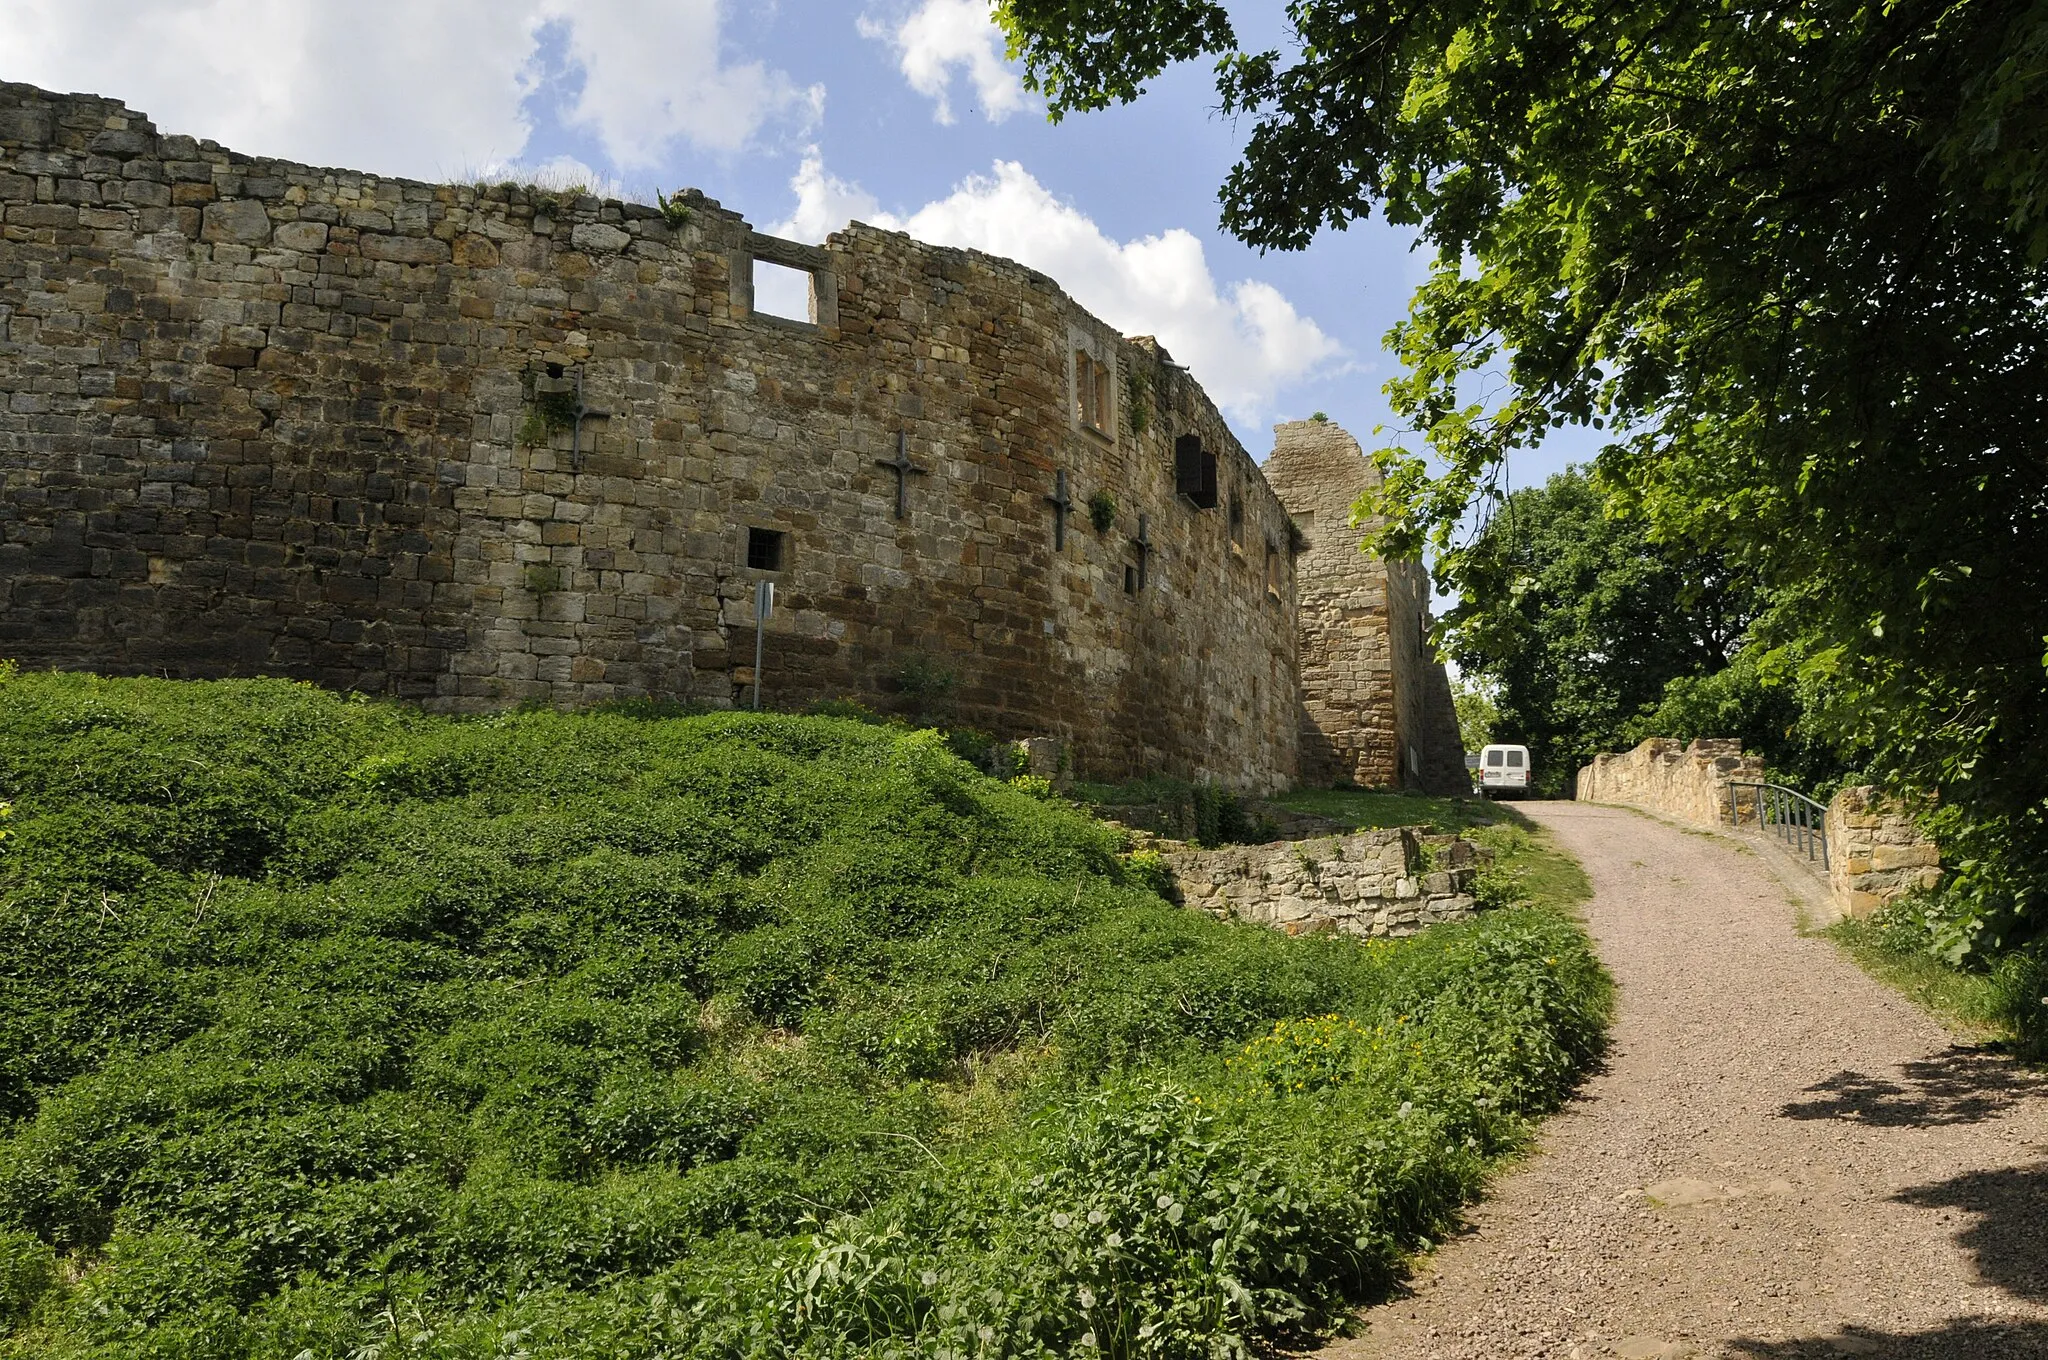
1782	1159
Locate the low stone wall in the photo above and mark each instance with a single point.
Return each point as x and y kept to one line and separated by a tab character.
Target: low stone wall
1663	775
1371	883
1877	852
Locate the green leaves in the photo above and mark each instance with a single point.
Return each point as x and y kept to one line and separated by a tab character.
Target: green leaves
1794	256
1581	620
1084	57
728	1035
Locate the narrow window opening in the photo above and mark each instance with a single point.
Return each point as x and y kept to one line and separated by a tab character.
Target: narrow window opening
1272	570
1194	472
785	292
1130	579
1237	521
764	549
1091	392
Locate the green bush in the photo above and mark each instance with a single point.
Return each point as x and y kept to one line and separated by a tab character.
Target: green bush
326	1026
28	1272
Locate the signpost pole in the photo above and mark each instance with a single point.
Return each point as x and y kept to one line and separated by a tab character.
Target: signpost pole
764	605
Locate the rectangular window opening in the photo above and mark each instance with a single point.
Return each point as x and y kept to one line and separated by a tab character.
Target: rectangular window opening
1091	392
1496	758
1130	579
785	292
1272	570
764	549
1514	760
1236	521
1194	472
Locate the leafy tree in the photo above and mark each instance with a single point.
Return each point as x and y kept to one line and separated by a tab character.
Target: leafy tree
1791	251
1474	701
1763	698
1581	621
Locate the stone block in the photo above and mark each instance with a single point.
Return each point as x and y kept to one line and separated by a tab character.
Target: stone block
1923	855
598	236
301	236
404	249
238	221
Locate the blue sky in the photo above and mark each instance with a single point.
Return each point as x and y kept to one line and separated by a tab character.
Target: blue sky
799	114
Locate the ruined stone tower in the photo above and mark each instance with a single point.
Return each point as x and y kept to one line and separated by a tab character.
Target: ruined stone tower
1375	703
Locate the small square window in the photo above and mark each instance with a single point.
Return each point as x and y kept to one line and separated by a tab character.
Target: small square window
784	292
1514	760
764	549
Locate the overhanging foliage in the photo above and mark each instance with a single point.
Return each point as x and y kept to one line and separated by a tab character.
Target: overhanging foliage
1792	251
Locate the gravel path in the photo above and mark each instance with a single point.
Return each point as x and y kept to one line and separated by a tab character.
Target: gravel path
1782	1159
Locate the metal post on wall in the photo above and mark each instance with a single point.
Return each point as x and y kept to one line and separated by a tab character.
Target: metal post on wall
764	605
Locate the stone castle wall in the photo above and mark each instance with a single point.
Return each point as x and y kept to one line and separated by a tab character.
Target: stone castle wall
257	417
1376	703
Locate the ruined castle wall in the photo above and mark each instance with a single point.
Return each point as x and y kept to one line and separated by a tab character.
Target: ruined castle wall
1432	751
265	418
1375	702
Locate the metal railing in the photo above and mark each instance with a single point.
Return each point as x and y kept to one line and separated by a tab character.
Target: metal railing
1787	813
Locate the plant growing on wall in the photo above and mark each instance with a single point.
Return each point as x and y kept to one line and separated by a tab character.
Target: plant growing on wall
542	578
674	211
1102	511
1138	397
547	413
552	202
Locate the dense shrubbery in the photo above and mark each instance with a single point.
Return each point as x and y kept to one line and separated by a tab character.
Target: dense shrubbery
326	1027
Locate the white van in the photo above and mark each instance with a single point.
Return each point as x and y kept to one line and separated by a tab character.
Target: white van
1504	769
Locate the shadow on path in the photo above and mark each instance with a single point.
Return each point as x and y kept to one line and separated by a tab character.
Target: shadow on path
1956	1086
2007	1240
1959	1340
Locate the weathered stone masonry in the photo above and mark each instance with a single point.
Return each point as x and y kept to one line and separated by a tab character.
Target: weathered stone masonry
1376	705
262	418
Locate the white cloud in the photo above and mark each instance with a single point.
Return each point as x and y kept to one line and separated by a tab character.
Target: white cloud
428	88
824	203
413	87
940	35
654	73
1243	341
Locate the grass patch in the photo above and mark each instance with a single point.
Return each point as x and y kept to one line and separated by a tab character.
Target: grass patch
1366	809
2003	999
328	1027
1974	1003
1530	870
